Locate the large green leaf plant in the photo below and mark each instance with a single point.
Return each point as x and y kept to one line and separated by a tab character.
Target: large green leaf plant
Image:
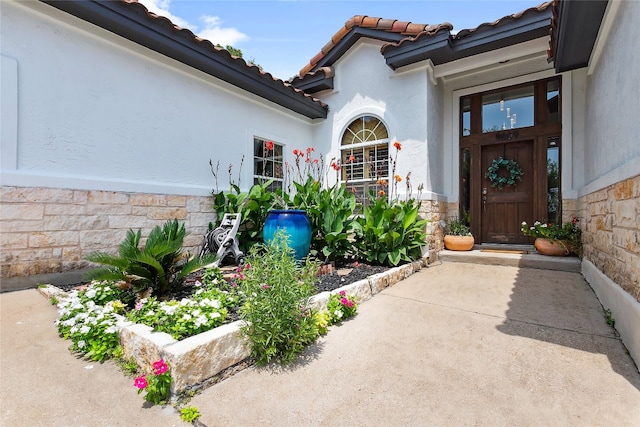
160	267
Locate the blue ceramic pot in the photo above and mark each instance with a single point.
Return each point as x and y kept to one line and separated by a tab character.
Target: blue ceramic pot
297	225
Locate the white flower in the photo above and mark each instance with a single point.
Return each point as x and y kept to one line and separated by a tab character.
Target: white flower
81	344
215	303
69	322
169	309
195	313
85	329
186	316
524	223
338	313
201	320
214	315
73	330
90	293
544	226
111	330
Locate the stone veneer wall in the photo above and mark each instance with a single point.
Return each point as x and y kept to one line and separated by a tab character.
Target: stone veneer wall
611	233
435	212
51	230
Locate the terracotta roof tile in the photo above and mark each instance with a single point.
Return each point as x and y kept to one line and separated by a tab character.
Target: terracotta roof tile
388	25
370	22
399	26
433	29
487	25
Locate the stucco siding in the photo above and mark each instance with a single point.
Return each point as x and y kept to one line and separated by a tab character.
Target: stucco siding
96	108
613	90
366	86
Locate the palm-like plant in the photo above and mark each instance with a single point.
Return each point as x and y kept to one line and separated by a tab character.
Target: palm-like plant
160	265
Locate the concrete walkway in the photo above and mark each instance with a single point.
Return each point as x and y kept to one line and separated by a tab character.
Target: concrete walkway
455	344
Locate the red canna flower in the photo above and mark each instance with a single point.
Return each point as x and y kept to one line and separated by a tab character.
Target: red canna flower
268	145
397	145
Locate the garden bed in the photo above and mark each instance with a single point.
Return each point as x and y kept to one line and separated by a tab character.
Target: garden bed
201	357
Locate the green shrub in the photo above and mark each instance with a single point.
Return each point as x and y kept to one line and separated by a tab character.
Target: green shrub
278	322
159	266
254	206
329	211
390	233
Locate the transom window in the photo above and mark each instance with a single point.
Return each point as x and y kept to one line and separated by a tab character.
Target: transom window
365	157
268	162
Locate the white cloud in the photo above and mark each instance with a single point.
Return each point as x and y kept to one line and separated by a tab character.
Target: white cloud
217	34
161	8
213	29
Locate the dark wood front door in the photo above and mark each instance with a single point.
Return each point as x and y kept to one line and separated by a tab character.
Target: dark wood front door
504	209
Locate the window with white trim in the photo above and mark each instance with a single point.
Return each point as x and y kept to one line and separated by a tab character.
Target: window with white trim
268	162
365	157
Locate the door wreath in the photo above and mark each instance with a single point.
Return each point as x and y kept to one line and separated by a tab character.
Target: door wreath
515	173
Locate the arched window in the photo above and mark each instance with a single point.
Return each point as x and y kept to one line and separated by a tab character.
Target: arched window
365	157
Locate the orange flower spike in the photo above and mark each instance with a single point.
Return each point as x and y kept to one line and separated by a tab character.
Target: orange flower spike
381	193
352	158
397	145
398	178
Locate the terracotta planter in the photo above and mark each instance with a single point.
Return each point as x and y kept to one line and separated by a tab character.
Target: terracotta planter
458	243
550	247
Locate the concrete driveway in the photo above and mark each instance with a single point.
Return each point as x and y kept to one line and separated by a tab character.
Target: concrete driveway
455	344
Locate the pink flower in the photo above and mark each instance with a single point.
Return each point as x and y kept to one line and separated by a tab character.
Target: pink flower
140	382
160	367
265	286
248	266
343	293
139	306
344	301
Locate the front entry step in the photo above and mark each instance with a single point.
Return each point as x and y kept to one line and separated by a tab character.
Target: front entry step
524	256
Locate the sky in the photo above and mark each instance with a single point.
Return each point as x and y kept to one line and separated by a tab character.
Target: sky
283	35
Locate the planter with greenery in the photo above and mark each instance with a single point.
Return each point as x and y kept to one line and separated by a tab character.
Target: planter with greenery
554	239
458	236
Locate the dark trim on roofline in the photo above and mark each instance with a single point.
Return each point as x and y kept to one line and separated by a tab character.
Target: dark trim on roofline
576	29
317	81
131	21
441	47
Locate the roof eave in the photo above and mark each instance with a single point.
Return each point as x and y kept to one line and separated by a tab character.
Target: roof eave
577	26
117	17
434	47
442	48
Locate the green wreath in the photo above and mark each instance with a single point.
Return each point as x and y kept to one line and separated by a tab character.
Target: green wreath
515	173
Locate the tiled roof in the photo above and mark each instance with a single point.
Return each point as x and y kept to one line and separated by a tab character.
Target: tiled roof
132	20
490	25
369	22
413	33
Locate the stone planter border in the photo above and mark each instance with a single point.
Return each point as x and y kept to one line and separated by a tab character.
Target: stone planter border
198	358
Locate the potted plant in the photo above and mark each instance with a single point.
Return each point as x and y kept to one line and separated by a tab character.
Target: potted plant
554	239
458	236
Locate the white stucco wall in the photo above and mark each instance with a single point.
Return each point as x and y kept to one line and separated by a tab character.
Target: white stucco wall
95	111
612	134
365	85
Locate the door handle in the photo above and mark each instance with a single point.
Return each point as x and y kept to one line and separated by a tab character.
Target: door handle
484	199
